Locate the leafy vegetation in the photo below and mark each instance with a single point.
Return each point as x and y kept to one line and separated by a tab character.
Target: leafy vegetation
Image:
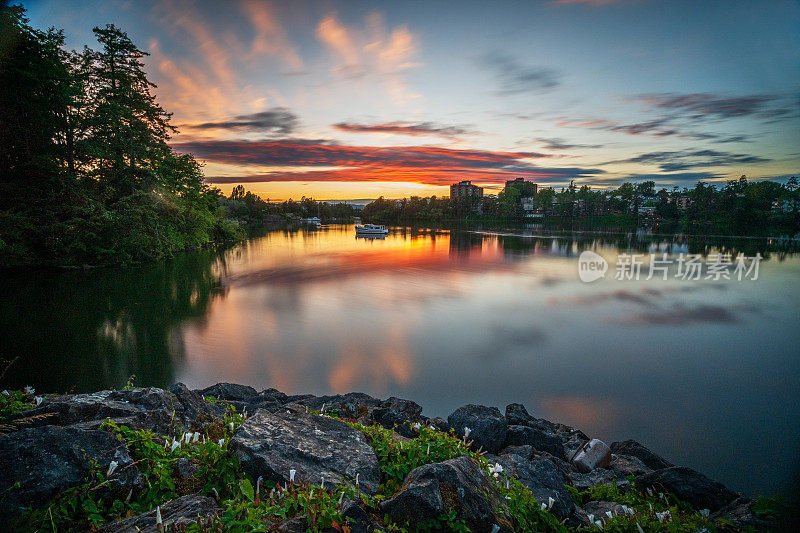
86	174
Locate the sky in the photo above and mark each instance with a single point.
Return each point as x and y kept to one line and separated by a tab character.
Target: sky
343	100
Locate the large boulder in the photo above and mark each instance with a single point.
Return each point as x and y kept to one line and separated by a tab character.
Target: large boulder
316	447
690	486
541	474
196	409
175	514
229	391
487	426
540	440
517	415
628	465
47	460
458	485
141	408
397	413
740	515
634	449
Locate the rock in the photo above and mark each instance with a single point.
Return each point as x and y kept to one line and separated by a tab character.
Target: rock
195	407
688	485
538	439
181	512
458	485
293	525
634	449
599	476
229	391
542	476
517	415
599	509
439	423
141	408
357	519
351	405
488	426
271	444
185	468
398	413
628	465
740	514
49	459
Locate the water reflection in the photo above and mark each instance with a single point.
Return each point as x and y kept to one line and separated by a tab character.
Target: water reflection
447	318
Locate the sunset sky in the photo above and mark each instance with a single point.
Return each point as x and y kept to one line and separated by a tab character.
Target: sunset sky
353	100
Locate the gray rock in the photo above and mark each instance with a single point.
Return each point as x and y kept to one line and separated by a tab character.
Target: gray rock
540	440
458	485
739	513
634	449
357	519
488	426
195	408
185	468
351	405
180	512
439	423
542	476
628	465
599	476
142	408
398	413
271	444
599	509
229	391
690	486
517	415
49	459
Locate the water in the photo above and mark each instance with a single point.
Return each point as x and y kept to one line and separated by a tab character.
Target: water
703	372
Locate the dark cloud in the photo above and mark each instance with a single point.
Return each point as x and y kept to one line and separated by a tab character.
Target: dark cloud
699	106
418	164
681	315
554	143
277	120
405	128
671	161
515	78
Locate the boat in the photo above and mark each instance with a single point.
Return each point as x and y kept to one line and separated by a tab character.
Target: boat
371	229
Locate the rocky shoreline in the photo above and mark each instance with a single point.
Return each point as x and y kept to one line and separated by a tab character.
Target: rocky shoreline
301	444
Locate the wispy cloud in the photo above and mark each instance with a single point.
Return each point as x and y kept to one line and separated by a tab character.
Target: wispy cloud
554	143
672	161
405	128
515	78
270	38
702	106
372	51
587	2
278	121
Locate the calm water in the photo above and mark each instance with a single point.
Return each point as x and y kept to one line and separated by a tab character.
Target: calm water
704	372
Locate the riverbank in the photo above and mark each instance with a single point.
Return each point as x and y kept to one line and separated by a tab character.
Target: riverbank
230	458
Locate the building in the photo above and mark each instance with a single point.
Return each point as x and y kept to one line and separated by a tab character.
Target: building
465	189
528	187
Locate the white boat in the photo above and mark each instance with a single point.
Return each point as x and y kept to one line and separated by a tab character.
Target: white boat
371	229
314	221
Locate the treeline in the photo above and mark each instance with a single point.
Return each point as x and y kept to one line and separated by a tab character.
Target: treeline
86	175
739	205
250	209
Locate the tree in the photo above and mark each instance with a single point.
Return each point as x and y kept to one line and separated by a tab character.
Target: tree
129	130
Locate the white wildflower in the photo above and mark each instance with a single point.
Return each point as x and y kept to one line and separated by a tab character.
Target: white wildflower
6	393
467	431
158	516
29	389
38	400
544	506
230	425
196	437
495	528
550	502
417	426
340	498
111	467
704	512
609	514
175	445
638	527
292	472
591	518
599	524
221	442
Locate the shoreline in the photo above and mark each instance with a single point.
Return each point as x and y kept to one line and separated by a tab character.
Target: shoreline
506	464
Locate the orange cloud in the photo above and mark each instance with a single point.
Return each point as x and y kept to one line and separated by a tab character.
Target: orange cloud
270	38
